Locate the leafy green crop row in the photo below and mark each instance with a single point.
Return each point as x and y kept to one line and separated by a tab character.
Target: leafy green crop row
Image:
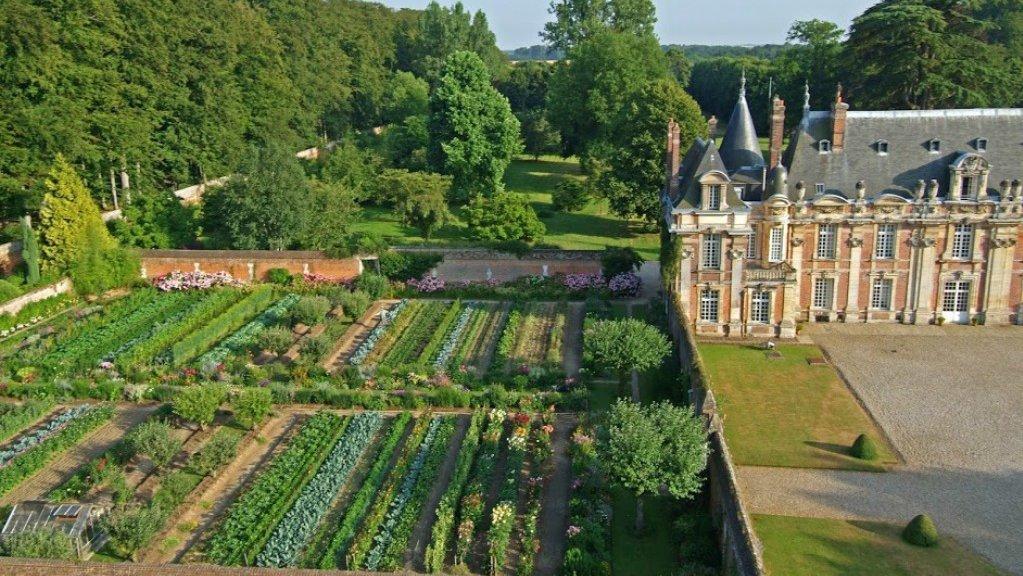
414	337
440	333
15	417
253	515
232	319
473	502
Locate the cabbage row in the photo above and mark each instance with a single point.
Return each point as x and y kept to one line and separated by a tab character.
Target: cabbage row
300	522
246	335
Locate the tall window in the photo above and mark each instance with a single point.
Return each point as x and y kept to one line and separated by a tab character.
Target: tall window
823	293
709	304
777	248
820	188
881	294
826	241
884	244
754	250
760	307
714	198
712	251
967	187
962	242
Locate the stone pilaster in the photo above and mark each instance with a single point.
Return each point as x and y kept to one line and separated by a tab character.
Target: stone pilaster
737	257
852	307
684	282
921	280
791	308
996	307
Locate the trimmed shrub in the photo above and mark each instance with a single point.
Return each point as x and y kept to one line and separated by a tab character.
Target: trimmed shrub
403	266
375	285
864	448
309	310
570	196
279	276
275	339
155	440
921	532
252	406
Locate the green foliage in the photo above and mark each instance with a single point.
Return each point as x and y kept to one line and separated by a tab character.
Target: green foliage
864	448
375	285
403	266
275	339
251	406
50	543
407	96
352	168
154	439
30	250
680	66
575	21
279	276
921	532
334	210
309	310
625	345
440	32
70	222
199	404
9	291
220	450
538	135
232	319
443	530
615	261
15	417
505	216
405	145
426	209
473	133
155	220
131	528
355	303
100	265
266	207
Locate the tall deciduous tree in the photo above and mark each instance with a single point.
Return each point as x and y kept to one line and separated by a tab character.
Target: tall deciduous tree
333	210
67	216
576	21
650	447
506	216
621	346
424	205
633	155
473	133
266	207
440	32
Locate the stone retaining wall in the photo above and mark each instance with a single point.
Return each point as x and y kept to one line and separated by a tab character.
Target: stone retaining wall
741	549
481	264
248	265
12	307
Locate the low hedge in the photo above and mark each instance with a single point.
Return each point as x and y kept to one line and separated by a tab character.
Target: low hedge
921	532
222	326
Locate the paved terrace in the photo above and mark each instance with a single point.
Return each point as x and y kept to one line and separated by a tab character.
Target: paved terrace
951	400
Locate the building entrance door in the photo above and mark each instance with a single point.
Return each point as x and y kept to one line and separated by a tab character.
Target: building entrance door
956	302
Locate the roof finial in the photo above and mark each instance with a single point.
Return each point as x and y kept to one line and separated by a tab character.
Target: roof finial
742	85
838	95
806	96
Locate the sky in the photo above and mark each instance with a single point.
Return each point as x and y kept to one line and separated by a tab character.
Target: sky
517	23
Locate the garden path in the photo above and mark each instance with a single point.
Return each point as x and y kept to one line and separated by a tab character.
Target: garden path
59	470
557	491
354	336
229	482
420	538
572	344
981	510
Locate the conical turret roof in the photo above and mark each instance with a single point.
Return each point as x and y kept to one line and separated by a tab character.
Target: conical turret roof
741	147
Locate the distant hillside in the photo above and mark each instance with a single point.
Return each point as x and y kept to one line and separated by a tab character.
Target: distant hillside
695	52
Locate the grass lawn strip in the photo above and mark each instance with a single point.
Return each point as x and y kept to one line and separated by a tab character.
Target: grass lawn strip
784	412
333	555
30	452
364	540
256	512
298	525
825	547
443	531
411	493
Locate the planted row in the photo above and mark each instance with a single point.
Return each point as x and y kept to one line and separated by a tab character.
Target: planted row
387	318
54	425
454	337
15	417
473	501
443	332
415	337
502	517
229	321
34	458
246	335
251	517
298	525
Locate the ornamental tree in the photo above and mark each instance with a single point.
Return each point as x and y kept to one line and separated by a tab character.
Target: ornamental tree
625	345
506	216
424	205
30	250
473	133
155	440
67	216
650	447
198	404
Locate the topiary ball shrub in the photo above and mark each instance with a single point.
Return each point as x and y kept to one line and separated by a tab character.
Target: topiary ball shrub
864	448
921	532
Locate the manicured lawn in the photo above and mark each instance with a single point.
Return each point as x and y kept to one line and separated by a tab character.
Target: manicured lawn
653	553
593	228
784	412
823	547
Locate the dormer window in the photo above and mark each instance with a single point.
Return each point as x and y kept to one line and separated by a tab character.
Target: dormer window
934	146
740	190
714	198
820	188
824	146
882	147
981	144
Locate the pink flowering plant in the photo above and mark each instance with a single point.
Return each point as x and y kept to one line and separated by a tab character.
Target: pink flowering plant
626	284
178	281
581	282
428	284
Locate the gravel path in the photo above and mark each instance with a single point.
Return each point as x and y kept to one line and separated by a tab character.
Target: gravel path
573	342
950	399
99	441
554	514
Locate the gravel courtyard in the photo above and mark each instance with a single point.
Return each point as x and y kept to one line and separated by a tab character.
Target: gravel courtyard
951	400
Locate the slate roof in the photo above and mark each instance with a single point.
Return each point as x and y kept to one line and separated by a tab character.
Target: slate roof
702	158
908	159
740	147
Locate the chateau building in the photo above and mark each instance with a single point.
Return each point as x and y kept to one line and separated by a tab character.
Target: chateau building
905	216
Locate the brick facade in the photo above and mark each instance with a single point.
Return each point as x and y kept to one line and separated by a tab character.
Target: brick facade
248	265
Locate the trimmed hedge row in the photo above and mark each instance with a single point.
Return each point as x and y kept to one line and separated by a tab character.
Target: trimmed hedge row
31	461
220	327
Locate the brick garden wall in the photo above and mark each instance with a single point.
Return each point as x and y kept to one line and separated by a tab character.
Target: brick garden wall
474	263
247	265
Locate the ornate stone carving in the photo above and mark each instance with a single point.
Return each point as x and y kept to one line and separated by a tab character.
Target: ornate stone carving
796	241
736	253
1004	242
685	253
854	242
917	242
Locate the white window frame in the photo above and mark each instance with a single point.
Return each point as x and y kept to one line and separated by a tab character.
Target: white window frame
982	144
958	293
962	242
753	252
710	305
882	293
820	188
884	242
823	294
760	307
824	146
934	146
827	242
714	197
776	249
711	251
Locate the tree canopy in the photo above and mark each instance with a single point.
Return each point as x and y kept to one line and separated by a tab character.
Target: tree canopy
576	21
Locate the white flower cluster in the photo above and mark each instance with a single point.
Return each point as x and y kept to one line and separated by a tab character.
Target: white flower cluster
31	322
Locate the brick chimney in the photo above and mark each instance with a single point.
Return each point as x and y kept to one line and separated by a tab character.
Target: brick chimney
838	118
777	130
712	127
673	157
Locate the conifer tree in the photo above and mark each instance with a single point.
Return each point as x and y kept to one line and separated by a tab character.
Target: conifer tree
68	213
30	250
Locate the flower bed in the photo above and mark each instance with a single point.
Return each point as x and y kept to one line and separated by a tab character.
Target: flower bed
31	456
369	345
589	512
253	515
33	313
502	517
333	556
246	335
297	526
627	284
178	281
529	535
472	503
